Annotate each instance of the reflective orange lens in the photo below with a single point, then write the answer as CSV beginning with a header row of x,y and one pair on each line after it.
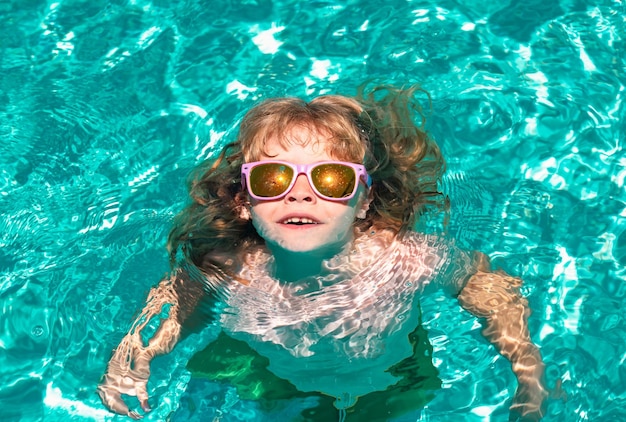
x,y
334,180
269,180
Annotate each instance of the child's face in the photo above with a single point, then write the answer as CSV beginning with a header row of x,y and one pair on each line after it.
x,y
328,224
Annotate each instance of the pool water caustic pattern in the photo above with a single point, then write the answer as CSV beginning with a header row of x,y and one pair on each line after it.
x,y
106,106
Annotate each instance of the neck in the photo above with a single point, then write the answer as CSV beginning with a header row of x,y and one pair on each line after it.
x,y
293,266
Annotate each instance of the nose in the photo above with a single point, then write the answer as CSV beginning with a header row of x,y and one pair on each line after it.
x,y
301,191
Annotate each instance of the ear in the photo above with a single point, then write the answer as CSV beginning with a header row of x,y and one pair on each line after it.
x,y
244,212
365,205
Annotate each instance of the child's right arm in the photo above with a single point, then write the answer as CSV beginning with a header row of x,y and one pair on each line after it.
x,y
172,301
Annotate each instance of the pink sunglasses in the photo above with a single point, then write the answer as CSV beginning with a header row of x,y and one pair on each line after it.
x,y
331,180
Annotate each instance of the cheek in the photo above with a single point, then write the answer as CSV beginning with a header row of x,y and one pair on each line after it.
x,y
263,216
260,212
343,217
260,221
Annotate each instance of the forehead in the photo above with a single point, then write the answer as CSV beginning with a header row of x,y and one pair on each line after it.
x,y
297,138
305,138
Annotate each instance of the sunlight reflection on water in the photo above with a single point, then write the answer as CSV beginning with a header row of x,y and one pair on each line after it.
x,y
105,107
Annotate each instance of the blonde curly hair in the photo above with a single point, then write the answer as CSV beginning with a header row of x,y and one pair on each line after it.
x,y
382,128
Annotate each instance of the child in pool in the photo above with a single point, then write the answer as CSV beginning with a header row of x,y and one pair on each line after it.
x,y
301,231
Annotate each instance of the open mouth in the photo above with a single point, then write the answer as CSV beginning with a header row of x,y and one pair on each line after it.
x,y
299,221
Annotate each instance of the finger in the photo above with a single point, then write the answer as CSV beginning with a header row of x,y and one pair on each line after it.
x,y
524,413
557,392
142,395
134,415
145,406
112,399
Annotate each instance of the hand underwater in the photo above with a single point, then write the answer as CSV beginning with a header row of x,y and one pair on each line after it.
x,y
495,296
129,368
112,388
529,403
128,373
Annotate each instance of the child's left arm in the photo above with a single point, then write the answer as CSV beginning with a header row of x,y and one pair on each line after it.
x,y
495,296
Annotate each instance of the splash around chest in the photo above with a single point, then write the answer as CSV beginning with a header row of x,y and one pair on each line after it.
x,y
362,297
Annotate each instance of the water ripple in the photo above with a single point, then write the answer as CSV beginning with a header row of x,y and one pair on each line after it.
x,y
104,107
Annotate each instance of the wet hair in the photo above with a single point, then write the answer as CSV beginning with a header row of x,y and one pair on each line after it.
x,y
382,128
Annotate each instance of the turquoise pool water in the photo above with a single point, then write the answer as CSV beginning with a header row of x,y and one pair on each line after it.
x,y
106,105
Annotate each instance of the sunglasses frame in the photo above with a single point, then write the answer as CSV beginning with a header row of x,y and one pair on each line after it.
x,y
305,169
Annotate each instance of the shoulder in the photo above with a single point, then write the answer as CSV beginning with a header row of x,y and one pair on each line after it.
x,y
451,264
409,244
426,243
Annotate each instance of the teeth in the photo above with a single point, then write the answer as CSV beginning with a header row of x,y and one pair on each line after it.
x,y
299,220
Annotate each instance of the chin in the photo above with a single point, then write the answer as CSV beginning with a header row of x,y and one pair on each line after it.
x,y
307,244
303,241
299,246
